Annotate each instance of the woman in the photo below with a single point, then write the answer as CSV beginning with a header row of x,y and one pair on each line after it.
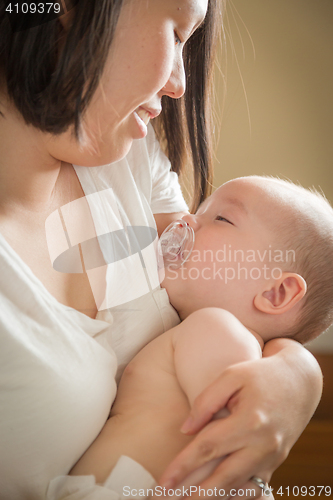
x,y
80,90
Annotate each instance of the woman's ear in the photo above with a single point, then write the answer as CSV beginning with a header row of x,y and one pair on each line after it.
x,y
286,291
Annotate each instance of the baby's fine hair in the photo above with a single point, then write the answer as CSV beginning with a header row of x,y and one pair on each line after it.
x,y
306,226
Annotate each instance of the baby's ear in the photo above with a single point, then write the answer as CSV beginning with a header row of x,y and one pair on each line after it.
x,y
286,291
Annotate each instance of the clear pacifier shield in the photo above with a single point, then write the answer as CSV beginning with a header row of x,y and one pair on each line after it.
x,y
177,242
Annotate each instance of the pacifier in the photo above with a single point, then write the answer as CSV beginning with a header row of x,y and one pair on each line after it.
x,y
177,242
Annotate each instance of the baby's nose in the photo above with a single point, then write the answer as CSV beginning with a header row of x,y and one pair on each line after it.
x,y
192,220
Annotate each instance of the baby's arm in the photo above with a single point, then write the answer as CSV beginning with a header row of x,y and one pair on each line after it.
x,y
205,344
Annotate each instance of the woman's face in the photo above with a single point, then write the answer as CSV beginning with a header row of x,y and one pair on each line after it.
x,y
145,62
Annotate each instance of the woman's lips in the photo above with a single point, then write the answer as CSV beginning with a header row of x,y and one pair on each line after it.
x,y
143,115
142,119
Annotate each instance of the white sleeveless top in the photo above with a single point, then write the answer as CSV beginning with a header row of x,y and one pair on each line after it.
x,y
57,365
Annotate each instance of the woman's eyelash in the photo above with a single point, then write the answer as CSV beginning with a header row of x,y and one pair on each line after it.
x,y
219,217
177,39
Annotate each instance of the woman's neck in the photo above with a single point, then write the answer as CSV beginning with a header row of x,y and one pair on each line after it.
x,y
28,173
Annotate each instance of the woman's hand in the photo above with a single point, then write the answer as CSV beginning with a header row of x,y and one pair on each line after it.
x,y
270,401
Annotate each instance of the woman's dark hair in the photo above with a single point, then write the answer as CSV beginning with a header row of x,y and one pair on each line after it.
x,y
185,124
51,76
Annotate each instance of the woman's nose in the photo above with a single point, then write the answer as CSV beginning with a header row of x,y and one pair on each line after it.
x,y
192,220
176,85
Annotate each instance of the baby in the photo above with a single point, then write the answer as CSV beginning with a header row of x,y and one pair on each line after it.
x,y
261,268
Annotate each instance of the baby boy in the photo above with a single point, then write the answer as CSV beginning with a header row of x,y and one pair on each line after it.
x,y
261,268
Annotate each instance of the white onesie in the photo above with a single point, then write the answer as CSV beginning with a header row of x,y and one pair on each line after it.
x,y
57,365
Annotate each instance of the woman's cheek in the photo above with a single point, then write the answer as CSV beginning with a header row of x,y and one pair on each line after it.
x,y
164,59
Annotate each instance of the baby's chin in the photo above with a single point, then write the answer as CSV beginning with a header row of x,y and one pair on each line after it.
x,y
164,284
167,283
172,286
171,277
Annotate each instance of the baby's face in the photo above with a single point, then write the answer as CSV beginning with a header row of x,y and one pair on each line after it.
x,y
234,253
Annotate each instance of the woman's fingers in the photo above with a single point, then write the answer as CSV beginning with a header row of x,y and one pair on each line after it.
x,y
252,491
233,473
224,482
212,442
250,431
206,405
257,435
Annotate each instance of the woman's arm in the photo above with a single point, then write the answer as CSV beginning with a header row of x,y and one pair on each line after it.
x,y
270,402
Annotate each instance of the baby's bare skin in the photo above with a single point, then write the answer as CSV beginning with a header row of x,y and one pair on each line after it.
x,y
156,390
146,417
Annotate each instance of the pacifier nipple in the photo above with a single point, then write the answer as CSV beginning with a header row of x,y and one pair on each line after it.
x,y
177,242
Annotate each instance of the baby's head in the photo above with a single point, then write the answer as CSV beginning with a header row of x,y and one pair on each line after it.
x,y
263,251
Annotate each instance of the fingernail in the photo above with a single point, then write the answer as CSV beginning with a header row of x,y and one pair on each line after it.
x,y
187,425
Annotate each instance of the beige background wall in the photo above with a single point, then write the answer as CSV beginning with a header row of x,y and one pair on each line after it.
x,y
278,110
